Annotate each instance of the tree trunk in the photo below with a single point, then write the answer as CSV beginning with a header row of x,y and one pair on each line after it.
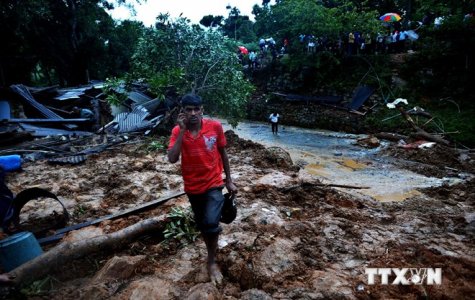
x,y
70,250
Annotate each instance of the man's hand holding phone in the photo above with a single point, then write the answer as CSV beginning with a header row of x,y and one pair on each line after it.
x,y
182,120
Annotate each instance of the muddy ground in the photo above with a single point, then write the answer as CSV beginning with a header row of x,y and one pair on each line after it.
x,y
292,238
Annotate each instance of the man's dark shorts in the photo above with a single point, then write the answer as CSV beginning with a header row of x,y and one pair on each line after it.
x,y
207,209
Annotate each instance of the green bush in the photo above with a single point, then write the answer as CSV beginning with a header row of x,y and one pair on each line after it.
x,y
181,227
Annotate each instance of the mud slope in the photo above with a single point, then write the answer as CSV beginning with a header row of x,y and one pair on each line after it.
x,y
291,240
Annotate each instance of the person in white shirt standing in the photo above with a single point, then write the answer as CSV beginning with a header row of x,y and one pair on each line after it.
x,y
274,120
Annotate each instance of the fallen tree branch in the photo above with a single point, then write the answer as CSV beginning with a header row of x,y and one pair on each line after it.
x,y
428,121
67,251
287,189
420,113
421,133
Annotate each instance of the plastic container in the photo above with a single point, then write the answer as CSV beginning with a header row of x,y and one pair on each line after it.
x,y
17,249
10,162
4,110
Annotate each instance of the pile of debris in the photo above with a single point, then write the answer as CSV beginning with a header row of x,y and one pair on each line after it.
x,y
73,123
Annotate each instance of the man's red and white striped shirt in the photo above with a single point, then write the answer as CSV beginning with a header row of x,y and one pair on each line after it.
x,y
201,164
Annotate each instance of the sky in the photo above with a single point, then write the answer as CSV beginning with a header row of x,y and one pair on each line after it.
x,y
191,9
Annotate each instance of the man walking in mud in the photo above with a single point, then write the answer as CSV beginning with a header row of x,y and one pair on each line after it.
x,y
201,142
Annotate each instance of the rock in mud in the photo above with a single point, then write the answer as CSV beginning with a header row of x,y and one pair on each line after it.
x,y
255,294
122,267
150,288
203,291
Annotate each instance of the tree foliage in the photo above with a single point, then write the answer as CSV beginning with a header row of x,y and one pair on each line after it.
x,y
190,59
72,41
444,66
294,17
211,21
69,41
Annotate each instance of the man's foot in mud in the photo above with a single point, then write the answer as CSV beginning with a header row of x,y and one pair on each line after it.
x,y
215,274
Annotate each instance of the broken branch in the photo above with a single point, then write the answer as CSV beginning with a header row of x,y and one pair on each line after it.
x,y
421,133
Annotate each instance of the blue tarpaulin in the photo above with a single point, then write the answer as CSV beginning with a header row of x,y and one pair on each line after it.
x,y
362,93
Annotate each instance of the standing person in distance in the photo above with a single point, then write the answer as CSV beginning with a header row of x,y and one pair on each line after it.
x,y
201,142
274,120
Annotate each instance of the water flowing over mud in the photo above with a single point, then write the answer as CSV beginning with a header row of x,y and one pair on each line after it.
x,y
336,158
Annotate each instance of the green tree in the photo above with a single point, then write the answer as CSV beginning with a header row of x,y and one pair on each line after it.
x,y
231,23
17,56
119,48
239,27
263,20
447,54
188,58
211,21
65,39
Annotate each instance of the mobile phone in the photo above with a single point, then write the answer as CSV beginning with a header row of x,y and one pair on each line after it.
x,y
182,111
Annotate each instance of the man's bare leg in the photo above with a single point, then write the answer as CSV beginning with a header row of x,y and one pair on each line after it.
x,y
211,241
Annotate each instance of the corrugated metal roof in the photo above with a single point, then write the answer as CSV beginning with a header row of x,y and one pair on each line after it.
x,y
26,95
134,120
68,160
150,106
70,95
139,97
43,131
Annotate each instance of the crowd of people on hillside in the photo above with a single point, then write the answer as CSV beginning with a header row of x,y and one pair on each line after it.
x,y
395,38
267,47
395,41
392,40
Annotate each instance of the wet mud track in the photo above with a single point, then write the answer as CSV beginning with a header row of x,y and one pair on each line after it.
x,y
293,239
391,174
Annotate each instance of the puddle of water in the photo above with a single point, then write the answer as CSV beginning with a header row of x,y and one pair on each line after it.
x,y
353,165
397,196
316,169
